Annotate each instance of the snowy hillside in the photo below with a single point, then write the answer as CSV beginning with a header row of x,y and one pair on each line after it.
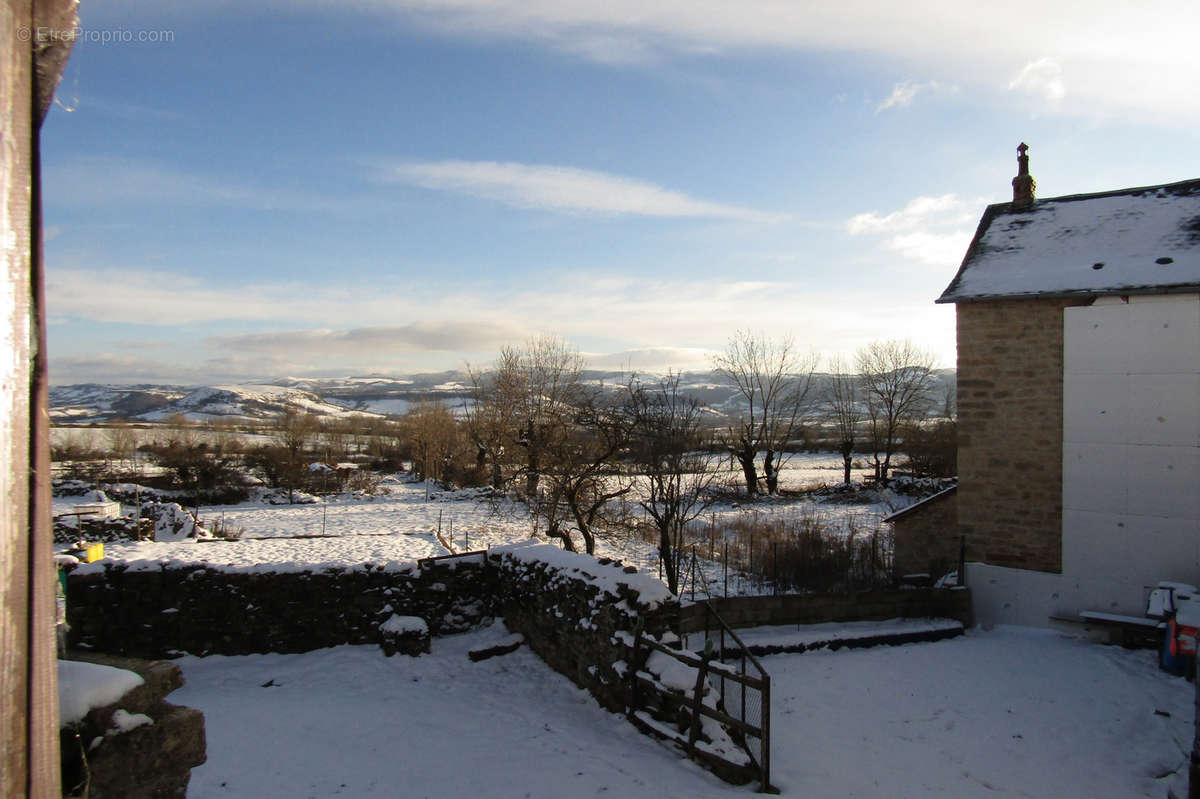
x,y
375,395
95,403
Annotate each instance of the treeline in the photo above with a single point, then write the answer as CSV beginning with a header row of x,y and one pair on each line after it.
x,y
583,455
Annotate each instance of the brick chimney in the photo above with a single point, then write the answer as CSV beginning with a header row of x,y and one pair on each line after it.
x,y
1023,184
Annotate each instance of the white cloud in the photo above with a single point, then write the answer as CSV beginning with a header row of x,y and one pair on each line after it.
x,y
1121,55
335,327
651,359
928,230
559,188
934,249
1043,77
441,336
124,367
104,181
918,211
904,93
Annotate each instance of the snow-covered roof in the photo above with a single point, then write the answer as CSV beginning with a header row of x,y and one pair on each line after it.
x,y
1133,241
945,492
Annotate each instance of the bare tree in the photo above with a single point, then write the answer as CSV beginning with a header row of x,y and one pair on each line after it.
x,y
293,434
896,379
335,438
434,435
578,476
491,417
524,407
385,443
122,441
773,380
844,409
666,448
205,470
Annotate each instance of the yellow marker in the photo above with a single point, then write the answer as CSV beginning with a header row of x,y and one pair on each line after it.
x,y
92,552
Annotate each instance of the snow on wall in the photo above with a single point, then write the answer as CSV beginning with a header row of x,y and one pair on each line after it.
x,y
607,576
85,686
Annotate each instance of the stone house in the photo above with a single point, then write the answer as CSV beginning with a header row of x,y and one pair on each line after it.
x,y
1079,403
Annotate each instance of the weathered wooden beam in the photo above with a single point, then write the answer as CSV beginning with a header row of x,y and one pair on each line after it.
x,y
30,68
16,154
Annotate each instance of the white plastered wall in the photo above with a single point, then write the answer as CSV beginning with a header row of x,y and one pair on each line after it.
x,y
1131,465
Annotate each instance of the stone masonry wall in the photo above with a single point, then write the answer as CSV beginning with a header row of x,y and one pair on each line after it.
x,y
750,611
927,539
200,610
579,614
582,622
1010,423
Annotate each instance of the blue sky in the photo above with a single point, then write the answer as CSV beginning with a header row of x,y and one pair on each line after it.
x,y
391,186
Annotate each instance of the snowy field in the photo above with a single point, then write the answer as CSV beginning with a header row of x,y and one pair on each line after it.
x,y
1006,712
401,525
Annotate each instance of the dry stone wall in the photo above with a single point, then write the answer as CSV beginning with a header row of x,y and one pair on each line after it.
x,y
580,614
751,611
203,610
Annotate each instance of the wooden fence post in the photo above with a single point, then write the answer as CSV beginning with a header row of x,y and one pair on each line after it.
x,y
30,67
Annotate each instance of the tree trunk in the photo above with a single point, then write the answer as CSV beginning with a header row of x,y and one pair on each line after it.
x,y
746,458
771,472
562,535
585,529
531,478
668,559
847,456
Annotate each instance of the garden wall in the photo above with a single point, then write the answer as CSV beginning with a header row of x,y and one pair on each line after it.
x,y
202,610
580,614
750,611
576,612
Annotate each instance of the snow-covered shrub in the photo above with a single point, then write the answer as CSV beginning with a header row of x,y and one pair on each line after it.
x,y
173,522
68,487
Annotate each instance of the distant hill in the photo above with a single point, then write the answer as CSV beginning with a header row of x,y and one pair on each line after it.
x,y
371,395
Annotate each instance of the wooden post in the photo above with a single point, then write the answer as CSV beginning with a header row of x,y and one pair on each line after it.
x,y
697,695
634,665
765,721
962,560
693,572
1194,765
29,72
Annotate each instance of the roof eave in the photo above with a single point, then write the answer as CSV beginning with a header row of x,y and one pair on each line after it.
x,y
989,213
1118,291
922,504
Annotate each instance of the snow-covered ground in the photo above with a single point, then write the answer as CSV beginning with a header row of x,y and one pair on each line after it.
x,y
1010,711
347,531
